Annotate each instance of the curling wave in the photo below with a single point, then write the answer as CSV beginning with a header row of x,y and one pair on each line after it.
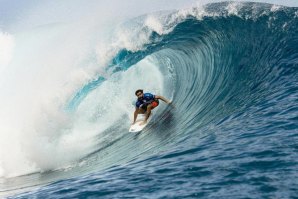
x,y
227,67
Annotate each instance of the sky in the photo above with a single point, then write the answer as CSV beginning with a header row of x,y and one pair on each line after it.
x,y
18,11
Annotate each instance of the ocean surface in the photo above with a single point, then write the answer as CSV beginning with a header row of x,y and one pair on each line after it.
x,y
231,71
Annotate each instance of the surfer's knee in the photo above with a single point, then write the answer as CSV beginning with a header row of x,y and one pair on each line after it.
x,y
141,111
149,107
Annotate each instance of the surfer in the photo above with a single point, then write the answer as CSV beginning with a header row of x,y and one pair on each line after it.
x,y
145,103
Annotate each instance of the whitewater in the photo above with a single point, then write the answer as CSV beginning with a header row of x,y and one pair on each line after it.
x,y
68,76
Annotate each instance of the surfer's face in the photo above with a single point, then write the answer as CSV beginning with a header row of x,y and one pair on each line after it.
x,y
140,95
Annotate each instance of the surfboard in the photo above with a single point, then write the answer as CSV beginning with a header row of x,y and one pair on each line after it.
x,y
137,127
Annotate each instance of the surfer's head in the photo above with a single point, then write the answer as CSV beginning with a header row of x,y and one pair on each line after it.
x,y
139,93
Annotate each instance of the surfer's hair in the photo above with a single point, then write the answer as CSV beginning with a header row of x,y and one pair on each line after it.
x,y
139,90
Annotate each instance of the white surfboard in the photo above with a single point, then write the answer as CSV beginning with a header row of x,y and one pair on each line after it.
x,y
138,126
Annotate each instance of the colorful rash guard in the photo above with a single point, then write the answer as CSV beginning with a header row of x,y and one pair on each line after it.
x,y
147,99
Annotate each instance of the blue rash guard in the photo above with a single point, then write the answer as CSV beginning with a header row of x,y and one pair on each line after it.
x,y
147,99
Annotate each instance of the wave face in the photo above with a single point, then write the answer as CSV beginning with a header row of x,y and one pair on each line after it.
x,y
231,71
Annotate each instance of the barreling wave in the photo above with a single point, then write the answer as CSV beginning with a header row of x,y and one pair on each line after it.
x,y
219,63
226,67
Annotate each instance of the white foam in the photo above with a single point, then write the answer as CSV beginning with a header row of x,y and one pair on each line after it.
x,y
275,8
7,44
296,14
47,69
36,133
233,8
154,24
131,38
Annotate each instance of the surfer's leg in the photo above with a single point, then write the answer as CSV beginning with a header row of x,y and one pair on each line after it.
x,y
141,111
148,112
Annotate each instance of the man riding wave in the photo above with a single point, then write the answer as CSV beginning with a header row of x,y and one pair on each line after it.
x,y
145,103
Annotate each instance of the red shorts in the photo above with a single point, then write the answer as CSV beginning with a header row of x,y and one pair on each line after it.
x,y
154,104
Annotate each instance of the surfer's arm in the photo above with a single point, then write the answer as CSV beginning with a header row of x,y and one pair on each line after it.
x,y
163,99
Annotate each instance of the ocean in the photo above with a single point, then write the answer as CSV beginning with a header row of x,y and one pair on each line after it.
x,y
230,69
